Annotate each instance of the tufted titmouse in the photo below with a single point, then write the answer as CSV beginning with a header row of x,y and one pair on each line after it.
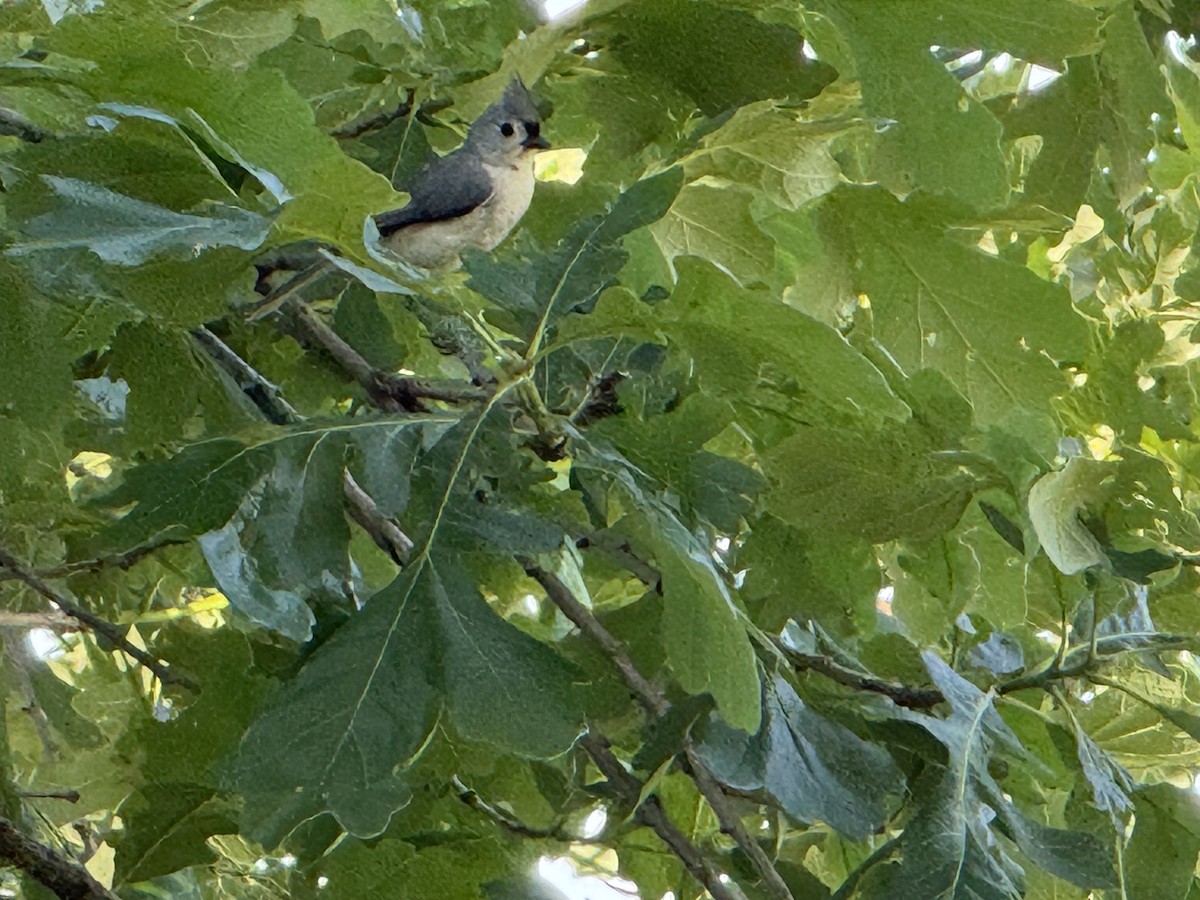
x,y
474,196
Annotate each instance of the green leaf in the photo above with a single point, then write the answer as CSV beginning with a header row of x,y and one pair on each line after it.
x,y
873,485
1066,117
948,848
716,223
719,56
816,769
166,829
840,577
741,341
36,382
1111,393
1128,62
234,36
137,61
708,649
935,138
993,328
338,736
581,265
1161,858
942,139
765,148
202,729
1056,502
126,231
502,686
170,383
236,573
1110,783
455,870
201,487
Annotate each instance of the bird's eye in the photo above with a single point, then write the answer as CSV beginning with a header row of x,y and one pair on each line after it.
x,y
506,129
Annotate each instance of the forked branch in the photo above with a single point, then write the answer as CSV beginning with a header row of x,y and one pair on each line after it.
x,y
110,632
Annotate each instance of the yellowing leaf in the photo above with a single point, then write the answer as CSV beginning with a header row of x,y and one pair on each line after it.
x,y
564,165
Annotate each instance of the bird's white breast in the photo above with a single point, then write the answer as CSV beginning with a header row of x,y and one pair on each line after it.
x,y
512,191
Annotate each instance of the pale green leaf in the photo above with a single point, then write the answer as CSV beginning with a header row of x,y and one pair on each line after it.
x,y
1056,502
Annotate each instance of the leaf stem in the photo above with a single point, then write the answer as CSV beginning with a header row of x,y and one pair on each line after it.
x,y
509,822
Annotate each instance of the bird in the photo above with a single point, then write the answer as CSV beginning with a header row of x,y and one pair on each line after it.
x,y
474,196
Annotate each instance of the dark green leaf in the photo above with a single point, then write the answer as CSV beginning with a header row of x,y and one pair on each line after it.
x,y
338,735
502,686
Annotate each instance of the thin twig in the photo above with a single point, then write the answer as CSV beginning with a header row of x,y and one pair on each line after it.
x,y
124,560
69,796
385,532
262,393
1065,665
900,694
655,704
66,878
623,556
511,823
600,401
731,822
360,126
651,814
276,298
112,633
562,597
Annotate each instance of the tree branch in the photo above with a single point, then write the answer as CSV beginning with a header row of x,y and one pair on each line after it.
x,y
69,796
66,878
561,596
262,393
112,633
54,621
389,392
360,126
623,556
20,127
651,814
900,694
655,704
385,532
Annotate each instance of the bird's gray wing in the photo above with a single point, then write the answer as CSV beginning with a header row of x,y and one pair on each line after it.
x,y
446,189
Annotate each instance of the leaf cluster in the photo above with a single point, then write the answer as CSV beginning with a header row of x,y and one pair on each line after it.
x,y
811,487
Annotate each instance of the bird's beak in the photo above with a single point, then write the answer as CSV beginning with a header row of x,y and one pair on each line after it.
x,y
535,142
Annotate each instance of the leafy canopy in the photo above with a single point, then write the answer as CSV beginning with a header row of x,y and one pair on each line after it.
x,y
809,483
